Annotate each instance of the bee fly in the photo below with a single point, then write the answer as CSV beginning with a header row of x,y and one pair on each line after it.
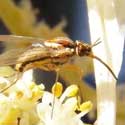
x,y
47,55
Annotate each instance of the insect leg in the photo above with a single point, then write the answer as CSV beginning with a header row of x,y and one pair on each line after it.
x,y
18,120
53,103
17,76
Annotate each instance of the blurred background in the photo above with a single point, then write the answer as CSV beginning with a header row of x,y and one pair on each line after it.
x,y
53,18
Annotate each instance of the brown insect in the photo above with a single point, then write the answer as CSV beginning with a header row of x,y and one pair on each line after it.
x,y
44,54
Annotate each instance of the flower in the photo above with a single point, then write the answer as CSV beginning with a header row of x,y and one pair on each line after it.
x,y
20,104
61,111
8,111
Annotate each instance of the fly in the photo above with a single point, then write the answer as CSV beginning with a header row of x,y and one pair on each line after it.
x,y
47,55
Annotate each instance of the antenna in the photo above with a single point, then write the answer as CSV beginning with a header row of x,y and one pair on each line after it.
x,y
98,41
97,58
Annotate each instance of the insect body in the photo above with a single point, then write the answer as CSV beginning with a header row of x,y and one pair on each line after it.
x,y
49,56
44,54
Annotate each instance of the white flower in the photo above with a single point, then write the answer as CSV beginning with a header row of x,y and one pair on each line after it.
x,y
9,112
20,104
54,111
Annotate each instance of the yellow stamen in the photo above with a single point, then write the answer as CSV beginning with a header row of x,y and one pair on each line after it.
x,y
57,89
86,106
72,90
19,94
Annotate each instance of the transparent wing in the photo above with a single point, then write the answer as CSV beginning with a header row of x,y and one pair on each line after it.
x,y
13,41
17,39
19,49
21,55
15,46
10,57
